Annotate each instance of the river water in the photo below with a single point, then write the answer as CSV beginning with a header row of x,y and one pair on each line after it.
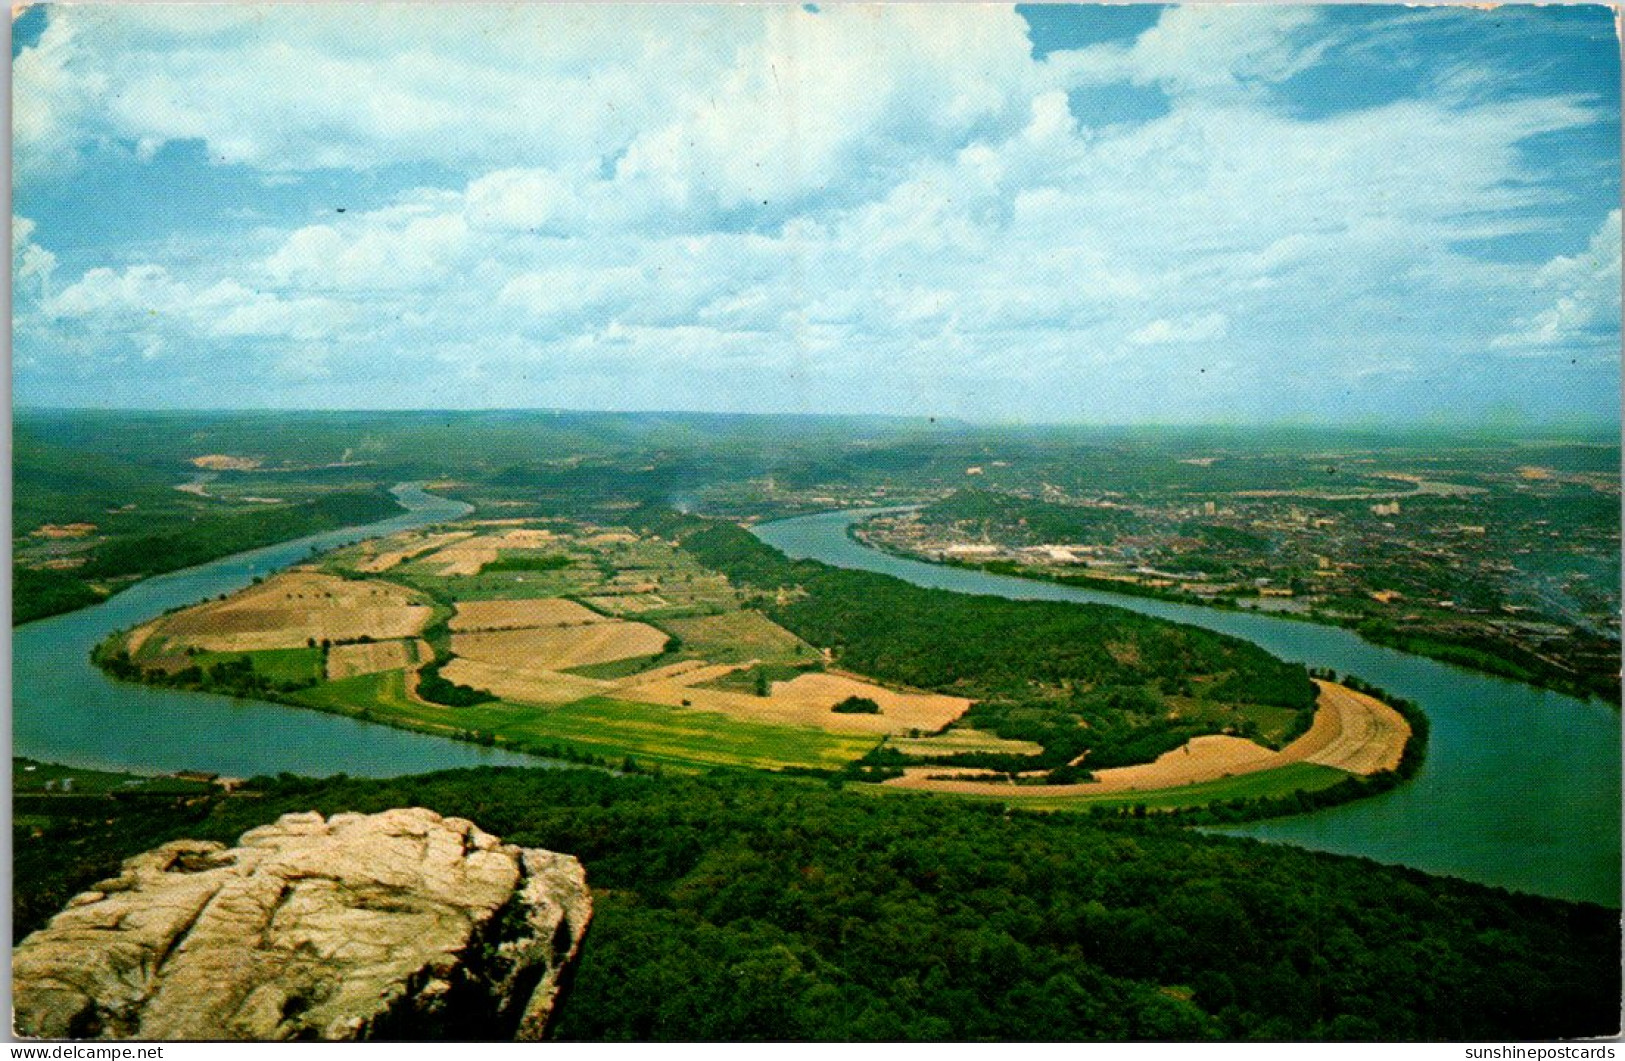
x,y
1521,787
65,710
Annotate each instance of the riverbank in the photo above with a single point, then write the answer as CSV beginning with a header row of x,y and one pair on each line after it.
x,y
67,711
121,561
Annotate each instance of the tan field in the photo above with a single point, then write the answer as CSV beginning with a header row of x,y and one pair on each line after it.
x,y
346,661
1359,733
461,559
290,609
689,672
561,647
517,614
1351,731
793,703
528,539
937,778
1201,759
906,710
467,557
63,530
524,685
221,462
403,548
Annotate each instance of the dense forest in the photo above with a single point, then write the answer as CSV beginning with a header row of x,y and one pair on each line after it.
x,y
736,906
1037,669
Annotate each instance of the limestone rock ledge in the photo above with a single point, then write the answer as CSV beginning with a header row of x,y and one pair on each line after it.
x,y
396,925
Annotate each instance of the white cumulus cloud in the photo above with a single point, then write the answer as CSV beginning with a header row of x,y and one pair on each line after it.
x,y
1582,294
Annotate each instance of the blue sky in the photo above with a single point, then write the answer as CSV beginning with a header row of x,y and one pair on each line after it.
x,y
1167,214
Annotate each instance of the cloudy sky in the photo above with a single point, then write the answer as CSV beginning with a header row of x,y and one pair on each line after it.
x,y
1063,213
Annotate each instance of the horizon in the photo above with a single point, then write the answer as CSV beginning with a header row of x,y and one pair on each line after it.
x,y
1582,432
1277,217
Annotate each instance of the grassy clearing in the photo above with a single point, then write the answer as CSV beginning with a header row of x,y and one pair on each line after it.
x,y
277,664
1281,781
382,691
1270,724
736,637
1274,724
963,740
498,585
623,668
597,725
615,728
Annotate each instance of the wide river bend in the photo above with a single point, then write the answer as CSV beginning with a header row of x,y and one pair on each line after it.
x,y
63,709
1521,786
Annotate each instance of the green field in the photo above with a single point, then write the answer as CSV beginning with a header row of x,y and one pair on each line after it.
x,y
497,586
276,664
622,668
598,726
740,636
1274,725
673,735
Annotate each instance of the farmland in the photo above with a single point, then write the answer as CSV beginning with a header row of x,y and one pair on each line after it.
x,y
373,630
660,642
594,726
1352,734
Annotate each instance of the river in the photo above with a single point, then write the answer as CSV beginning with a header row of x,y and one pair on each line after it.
x,y
65,710
1521,787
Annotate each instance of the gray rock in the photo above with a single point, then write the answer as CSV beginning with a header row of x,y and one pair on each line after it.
x,y
395,925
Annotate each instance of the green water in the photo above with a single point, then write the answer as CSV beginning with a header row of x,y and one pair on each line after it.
x,y
1521,787
65,710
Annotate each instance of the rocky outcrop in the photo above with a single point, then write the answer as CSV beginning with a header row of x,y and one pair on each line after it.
x,y
395,925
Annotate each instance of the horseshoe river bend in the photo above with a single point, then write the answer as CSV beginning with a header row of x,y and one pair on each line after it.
x,y
1521,787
